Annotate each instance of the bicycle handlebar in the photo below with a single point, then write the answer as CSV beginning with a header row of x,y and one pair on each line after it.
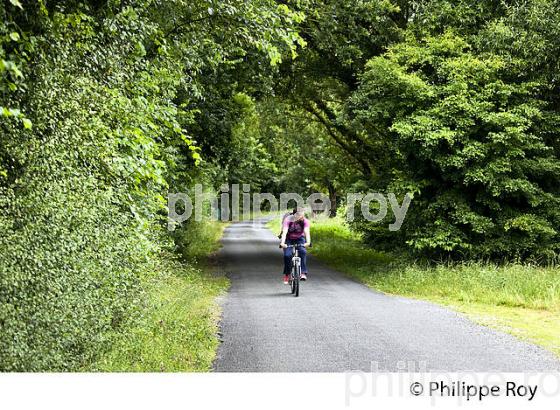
x,y
295,245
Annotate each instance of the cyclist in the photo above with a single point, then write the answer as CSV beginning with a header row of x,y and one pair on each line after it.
x,y
295,230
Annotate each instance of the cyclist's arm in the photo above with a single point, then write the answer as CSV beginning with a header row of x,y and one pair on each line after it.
x,y
283,238
307,232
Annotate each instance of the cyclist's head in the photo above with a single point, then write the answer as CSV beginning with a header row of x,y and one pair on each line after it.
x,y
299,213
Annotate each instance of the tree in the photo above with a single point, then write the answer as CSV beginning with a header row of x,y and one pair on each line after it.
x,y
340,37
465,138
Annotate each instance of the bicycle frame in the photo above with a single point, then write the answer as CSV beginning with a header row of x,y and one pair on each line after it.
x,y
296,261
295,272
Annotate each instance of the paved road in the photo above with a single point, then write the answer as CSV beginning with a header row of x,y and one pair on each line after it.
x,y
338,324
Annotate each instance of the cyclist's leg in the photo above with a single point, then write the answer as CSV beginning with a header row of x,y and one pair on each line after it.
x,y
303,256
287,259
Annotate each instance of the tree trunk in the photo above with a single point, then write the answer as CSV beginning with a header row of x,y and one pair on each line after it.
x,y
333,198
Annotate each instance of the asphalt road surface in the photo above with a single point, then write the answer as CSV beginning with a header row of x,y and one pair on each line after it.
x,y
337,324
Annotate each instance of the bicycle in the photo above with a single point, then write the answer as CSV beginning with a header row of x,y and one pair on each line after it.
x,y
295,272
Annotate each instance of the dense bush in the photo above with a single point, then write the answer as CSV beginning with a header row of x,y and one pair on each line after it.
x,y
80,190
465,134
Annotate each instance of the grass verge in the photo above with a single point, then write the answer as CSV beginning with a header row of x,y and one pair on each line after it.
x,y
176,329
522,300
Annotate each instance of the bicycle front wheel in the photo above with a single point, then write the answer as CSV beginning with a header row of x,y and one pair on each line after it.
x,y
293,283
297,275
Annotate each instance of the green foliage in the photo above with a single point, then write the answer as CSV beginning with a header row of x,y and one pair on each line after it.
x,y
249,161
452,100
476,161
13,52
81,192
195,241
98,102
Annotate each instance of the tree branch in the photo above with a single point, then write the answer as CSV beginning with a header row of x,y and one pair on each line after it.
x,y
349,149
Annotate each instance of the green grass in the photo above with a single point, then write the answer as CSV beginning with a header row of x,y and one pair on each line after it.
x,y
200,240
176,330
523,300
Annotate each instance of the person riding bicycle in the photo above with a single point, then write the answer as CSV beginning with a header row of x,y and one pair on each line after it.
x,y
295,230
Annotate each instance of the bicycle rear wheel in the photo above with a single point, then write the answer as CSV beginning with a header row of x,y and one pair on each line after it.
x,y
292,283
